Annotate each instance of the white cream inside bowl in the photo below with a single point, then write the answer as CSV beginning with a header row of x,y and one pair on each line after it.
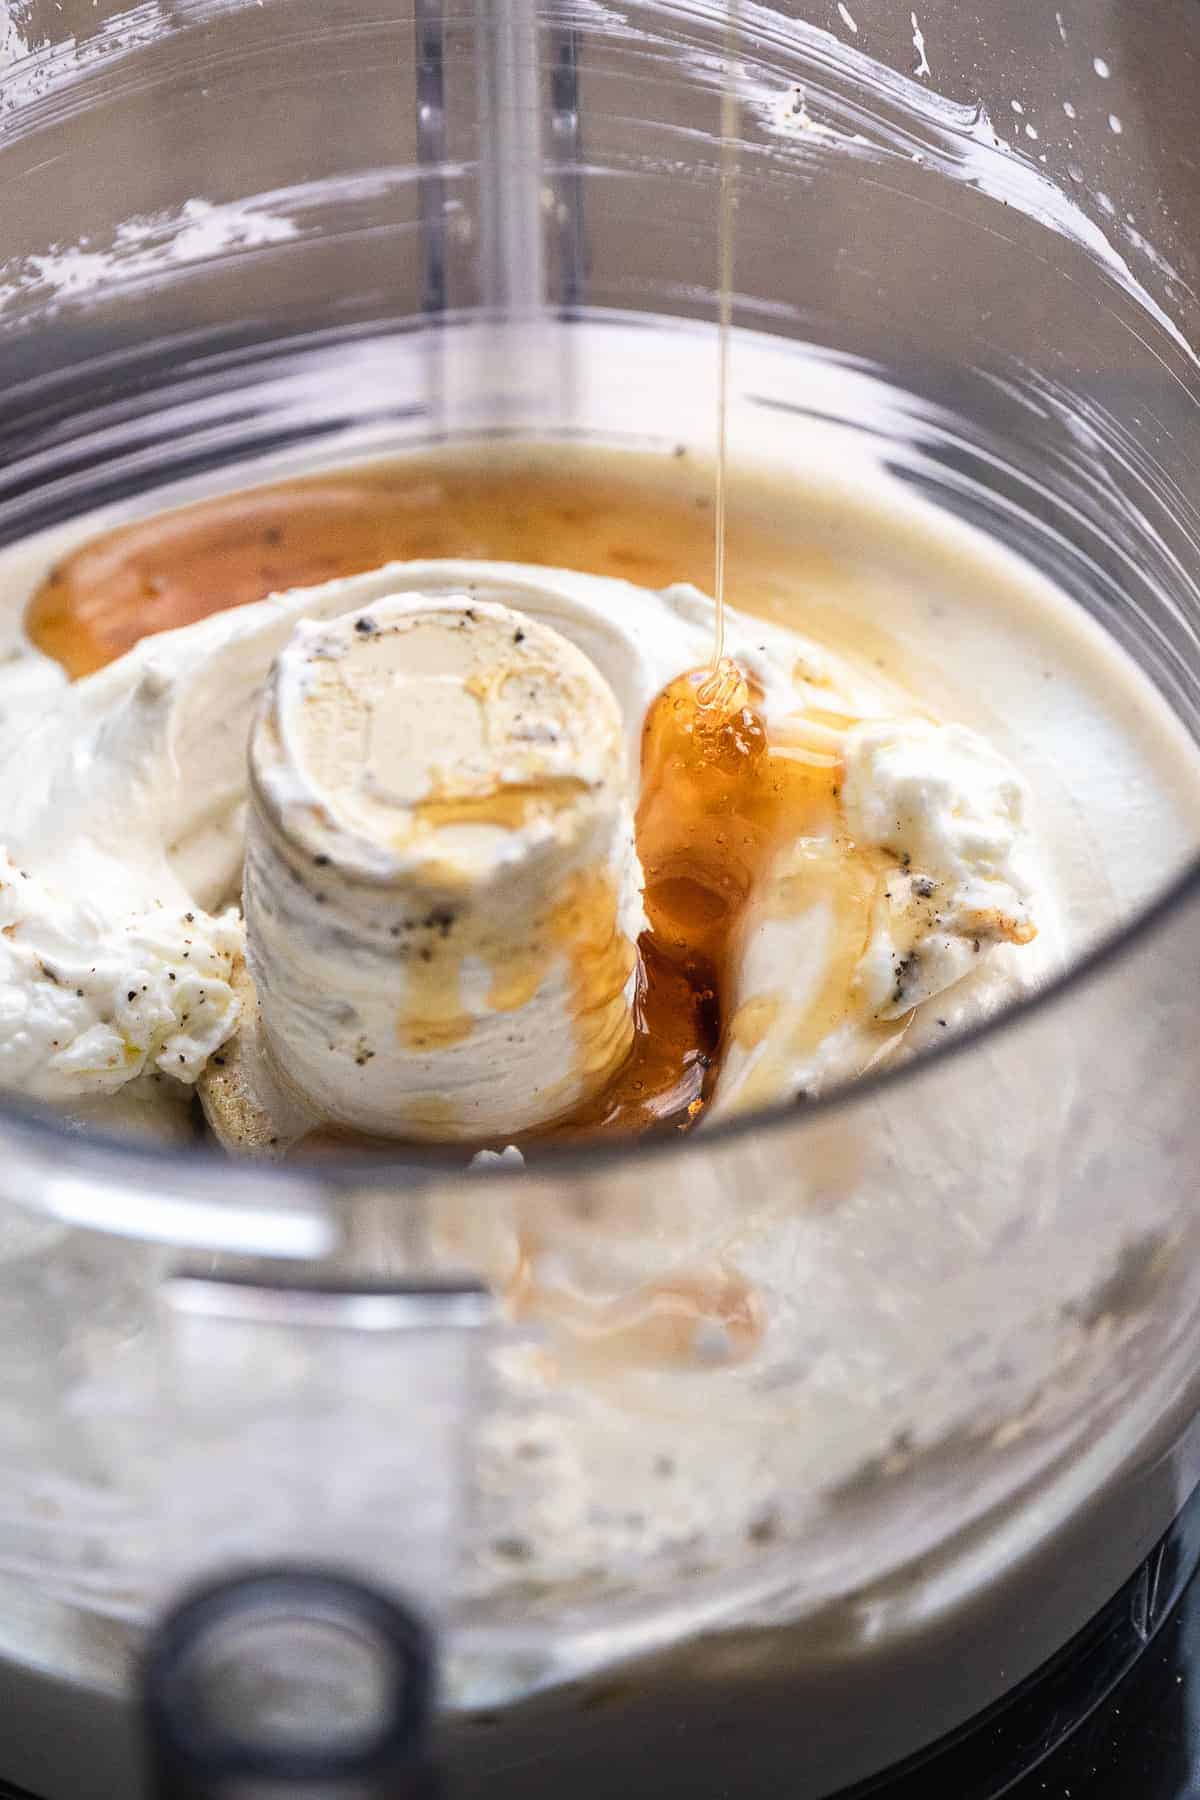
x,y
988,767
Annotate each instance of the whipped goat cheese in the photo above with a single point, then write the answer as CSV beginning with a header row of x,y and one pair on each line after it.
x,y
954,814
411,724
90,1001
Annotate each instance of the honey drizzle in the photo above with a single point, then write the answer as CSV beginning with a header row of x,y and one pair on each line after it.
x,y
718,692
725,218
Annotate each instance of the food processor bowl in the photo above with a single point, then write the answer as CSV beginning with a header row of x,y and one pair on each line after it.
x,y
245,240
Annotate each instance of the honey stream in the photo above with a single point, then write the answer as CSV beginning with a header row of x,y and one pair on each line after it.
x,y
719,692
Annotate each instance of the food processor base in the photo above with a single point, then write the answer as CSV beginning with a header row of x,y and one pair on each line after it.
x,y
1115,1713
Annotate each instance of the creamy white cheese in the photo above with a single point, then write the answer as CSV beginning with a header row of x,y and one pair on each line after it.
x,y
953,909
126,800
89,1001
954,813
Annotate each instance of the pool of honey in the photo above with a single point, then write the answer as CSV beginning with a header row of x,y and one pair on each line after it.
x,y
715,802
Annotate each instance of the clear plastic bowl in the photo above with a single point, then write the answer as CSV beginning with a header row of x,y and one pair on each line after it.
x,y
961,237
